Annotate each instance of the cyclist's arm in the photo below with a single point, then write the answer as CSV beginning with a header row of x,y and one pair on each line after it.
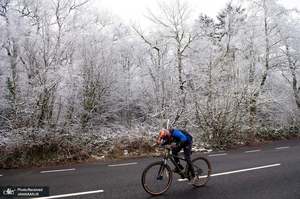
x,y
162,142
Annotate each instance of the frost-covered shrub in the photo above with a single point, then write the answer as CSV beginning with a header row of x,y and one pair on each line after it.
x,y
26,147
268,133
36,147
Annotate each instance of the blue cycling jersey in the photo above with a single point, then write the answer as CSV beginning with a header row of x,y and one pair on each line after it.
x,y
180,136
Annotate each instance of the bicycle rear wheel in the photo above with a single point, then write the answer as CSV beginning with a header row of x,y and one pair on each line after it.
x,y
157,178
202,168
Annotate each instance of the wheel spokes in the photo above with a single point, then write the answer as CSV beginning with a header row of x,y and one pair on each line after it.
x,y
202,171
156,179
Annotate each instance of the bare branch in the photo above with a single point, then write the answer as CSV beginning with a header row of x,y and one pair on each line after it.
x,y
77,5
286,78
144,39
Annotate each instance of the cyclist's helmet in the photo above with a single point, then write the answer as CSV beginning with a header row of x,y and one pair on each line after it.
x,y
164,135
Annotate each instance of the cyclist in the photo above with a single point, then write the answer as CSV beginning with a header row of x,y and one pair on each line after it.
x,y
183,140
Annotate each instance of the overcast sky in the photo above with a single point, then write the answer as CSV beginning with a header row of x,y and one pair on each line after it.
x,y
133,11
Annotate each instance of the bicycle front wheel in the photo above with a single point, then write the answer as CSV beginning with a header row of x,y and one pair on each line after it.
x,y
202,168
157,178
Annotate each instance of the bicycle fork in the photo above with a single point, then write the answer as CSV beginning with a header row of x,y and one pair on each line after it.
x,y
161,170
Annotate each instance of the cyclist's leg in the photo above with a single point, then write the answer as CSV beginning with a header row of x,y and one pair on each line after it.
x,y
175,152
187,155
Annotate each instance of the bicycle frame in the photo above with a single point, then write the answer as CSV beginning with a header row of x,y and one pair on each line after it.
x,y
169,156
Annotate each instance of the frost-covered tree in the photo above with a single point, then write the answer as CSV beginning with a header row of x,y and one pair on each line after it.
x,y
172,22
289,31
217,88
262,50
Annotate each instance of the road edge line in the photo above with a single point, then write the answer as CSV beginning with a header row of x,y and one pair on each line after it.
x,y
218,154
71,194
283,147
58,170
253,151
244,170
238,171
124,164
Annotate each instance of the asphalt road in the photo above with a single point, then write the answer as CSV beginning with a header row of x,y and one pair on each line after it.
x,y
270,171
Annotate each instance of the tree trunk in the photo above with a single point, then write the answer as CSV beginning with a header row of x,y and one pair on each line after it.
x,y
12,53
292,66
256,94
253,99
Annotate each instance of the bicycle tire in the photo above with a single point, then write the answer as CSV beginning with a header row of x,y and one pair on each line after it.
x,y
170,175
203,179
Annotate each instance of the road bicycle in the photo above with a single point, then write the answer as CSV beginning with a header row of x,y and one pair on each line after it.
x,y
158,176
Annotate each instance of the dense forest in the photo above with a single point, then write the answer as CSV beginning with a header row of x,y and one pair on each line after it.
x,y
77,83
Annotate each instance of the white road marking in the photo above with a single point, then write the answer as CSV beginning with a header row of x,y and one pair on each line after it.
x,y
60,170
219,154
125,164
283,147
237,171
1,175
249,169
253,151
71,194
182,180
